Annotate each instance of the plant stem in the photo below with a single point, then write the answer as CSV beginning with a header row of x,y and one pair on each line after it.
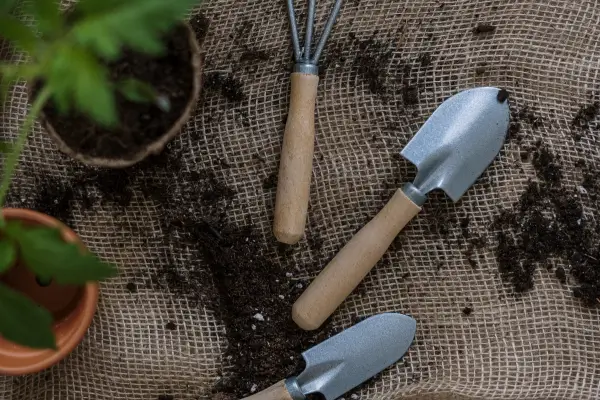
x,y
13,158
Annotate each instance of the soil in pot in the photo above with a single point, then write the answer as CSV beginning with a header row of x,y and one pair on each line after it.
x,y
141,125
60,300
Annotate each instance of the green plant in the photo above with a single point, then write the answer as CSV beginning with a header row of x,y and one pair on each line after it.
x,y
67,58
8,6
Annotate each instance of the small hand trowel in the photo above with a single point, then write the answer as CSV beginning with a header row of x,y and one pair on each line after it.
x,y
347,359
451,150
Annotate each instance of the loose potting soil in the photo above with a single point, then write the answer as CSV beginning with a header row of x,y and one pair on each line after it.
x,y
549,222
503,284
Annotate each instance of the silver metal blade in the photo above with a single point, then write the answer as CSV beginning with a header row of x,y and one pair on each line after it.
x,y
459,141
351,357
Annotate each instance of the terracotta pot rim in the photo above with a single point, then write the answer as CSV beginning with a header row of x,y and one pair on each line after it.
x,y
88,301
157,146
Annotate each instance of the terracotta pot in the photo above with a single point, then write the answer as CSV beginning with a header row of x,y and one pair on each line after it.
x,y
159,144
72,307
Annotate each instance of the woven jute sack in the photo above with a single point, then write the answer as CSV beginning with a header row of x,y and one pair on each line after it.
x,y
387,66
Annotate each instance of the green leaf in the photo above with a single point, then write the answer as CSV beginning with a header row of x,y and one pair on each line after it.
x,y
5,84
137,24
91,7
7,6
48,16
6,147
8,254
137,91
24,322
21,71
141,92
18,33
77,78
93,93
46,254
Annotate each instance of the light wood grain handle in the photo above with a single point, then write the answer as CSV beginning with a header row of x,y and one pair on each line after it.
x,y
348,268
275,392
295,168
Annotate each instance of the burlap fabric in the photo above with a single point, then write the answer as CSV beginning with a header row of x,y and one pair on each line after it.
x,y
541,345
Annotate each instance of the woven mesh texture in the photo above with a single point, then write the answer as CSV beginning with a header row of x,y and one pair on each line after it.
x,y
541,345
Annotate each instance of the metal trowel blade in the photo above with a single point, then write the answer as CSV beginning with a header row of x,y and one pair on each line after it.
x,y
351,357
459,141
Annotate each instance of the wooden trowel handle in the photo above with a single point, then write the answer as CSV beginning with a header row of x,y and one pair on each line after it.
x,y
295,168
275,392
348,268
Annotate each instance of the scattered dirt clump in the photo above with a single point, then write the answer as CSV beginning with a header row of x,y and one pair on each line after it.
x,y
171,326
131,287
54,198
514,130
518,118
584,117
200,25
425,59
548,223
529,116
547,166
561,274
230,87
470,255
410,95
372,61
464,226
270,182
252,56
484,28
480,70
89,187
256,296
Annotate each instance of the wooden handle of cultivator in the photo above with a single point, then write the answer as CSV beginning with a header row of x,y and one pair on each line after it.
x,y
348,268
295,168
275,392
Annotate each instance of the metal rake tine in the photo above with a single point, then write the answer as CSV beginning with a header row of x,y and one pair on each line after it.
x,y
310,22
327,31
294,29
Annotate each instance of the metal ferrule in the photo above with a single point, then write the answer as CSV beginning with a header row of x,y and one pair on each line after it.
x,y
291,384
414,194
305,68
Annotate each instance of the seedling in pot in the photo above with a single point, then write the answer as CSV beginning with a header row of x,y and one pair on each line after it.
x,y
67,61
45,253
75,72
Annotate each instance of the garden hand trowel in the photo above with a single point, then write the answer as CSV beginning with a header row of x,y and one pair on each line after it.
x,y
451,150
347,359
